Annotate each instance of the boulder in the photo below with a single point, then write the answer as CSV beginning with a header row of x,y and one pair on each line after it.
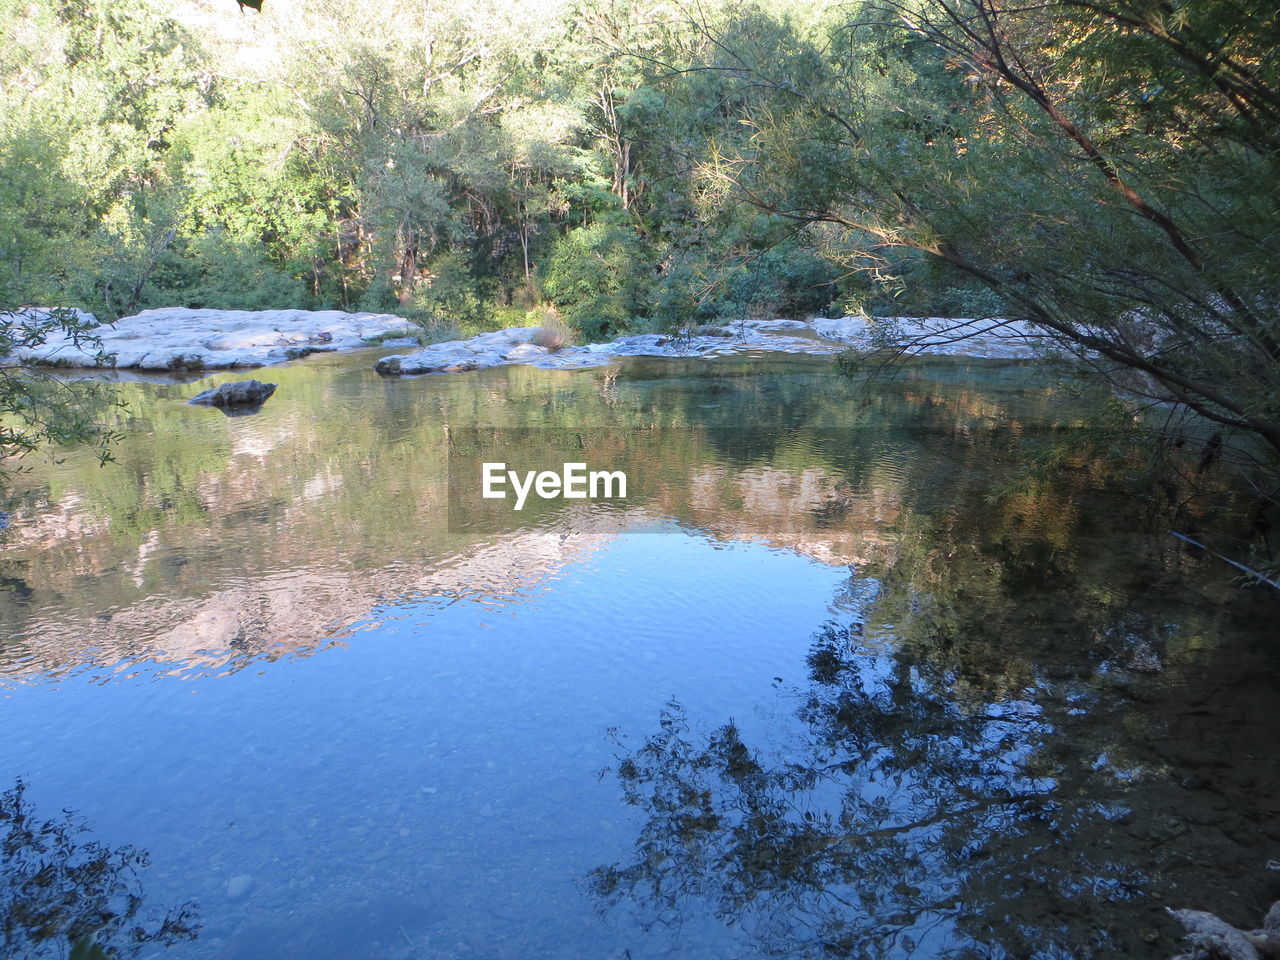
x,y
525,351
238,393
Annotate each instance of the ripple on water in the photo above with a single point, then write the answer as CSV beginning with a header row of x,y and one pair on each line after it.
x,y
258,647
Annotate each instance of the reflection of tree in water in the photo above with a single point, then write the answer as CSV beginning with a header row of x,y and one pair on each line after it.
x,y
61,894
981,775
901,818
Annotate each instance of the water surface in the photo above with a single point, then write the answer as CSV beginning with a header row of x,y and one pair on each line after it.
x,y
845,678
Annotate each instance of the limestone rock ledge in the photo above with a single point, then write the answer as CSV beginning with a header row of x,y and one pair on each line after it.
x,y
973,338
179,338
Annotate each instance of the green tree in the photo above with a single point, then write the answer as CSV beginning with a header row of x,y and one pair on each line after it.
x,y
90,94
599,277
37,409
1106,170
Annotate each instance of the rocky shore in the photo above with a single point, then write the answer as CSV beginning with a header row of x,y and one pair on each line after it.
x,y
974,338
176,339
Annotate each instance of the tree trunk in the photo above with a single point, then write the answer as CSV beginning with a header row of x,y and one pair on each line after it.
x,y
408,269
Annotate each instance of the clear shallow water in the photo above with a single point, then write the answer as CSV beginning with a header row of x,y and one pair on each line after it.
x,y
847,704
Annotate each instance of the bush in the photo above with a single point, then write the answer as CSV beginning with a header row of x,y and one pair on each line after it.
x,y
450,298
215,272
700,288
553,333
917,287
601,278
445,307
786,280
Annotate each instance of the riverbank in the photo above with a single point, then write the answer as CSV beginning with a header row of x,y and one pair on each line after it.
x,y
972,338
180,338
183,339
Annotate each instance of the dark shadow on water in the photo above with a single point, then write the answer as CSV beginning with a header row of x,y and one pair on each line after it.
x,y
65,894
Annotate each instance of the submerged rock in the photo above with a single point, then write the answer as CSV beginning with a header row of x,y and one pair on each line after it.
x,y
178,338
1143,658
238,887
1131,645
238,393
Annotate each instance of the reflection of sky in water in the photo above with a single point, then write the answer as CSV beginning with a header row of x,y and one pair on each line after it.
x,y
426,782
438,773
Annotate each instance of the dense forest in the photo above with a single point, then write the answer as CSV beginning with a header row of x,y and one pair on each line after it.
x,y
444,161
1105,170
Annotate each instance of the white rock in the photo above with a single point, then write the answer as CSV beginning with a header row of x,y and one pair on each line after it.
x,y
525,351
451,359
823,335
177,338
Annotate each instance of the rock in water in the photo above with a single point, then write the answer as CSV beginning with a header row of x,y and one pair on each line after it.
x,y
238,393
238,887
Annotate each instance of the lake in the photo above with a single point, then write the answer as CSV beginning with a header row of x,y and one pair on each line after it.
x,y
849,672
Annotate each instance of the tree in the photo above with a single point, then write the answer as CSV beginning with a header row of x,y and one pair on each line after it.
x,y
1105,169
90,96
37,409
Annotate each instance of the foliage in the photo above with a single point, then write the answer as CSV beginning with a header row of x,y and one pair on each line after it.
x,y
91,95
37,409
62,895
784,280
1105,171
216,271
458,138
450,295
599,278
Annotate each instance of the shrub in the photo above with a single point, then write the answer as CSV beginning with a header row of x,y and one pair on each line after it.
x,y
450,297
787,280
601,278
218,273
553,333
